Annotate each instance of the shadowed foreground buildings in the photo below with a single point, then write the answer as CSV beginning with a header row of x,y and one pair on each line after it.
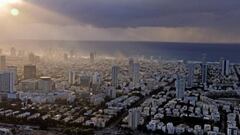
x,y
133,118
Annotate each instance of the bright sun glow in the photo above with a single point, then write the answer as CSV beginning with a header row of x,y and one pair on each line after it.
x,y
14,12
10,6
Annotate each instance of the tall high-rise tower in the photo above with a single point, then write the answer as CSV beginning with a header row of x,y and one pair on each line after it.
x,y
115,71
72,77
204,69
13,52
180,86
190,76
6,81
136,73
225,67
92,57
133,118
130,67
13,69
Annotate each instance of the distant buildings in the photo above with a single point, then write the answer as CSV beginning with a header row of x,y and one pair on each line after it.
x,y
225,67
21,53
42,84
84,80
33,59
2,62
133,118
96,79
65,57
115,72
30,71
29,85
13,52
180,87
72,53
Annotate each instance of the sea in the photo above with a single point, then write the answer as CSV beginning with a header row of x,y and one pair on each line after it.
x,y
165,50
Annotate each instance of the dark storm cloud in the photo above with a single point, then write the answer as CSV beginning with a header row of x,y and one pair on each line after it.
x,y
136,13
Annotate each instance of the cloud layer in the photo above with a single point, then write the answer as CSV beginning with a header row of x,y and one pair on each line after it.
x,y
135,13
140,20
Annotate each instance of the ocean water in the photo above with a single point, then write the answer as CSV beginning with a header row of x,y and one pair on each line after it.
x,y
187,51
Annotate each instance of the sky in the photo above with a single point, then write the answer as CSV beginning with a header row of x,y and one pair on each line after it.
x,y
124,20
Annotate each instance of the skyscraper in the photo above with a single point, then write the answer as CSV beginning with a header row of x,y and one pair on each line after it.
x,y
133,118
92,57
115,71
136,73
6,81
13,52
13,69
72,77
180,86
2,62
130,67
31,58
96,79
65,57
190,77
204,70
72,53
30,71
225,67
